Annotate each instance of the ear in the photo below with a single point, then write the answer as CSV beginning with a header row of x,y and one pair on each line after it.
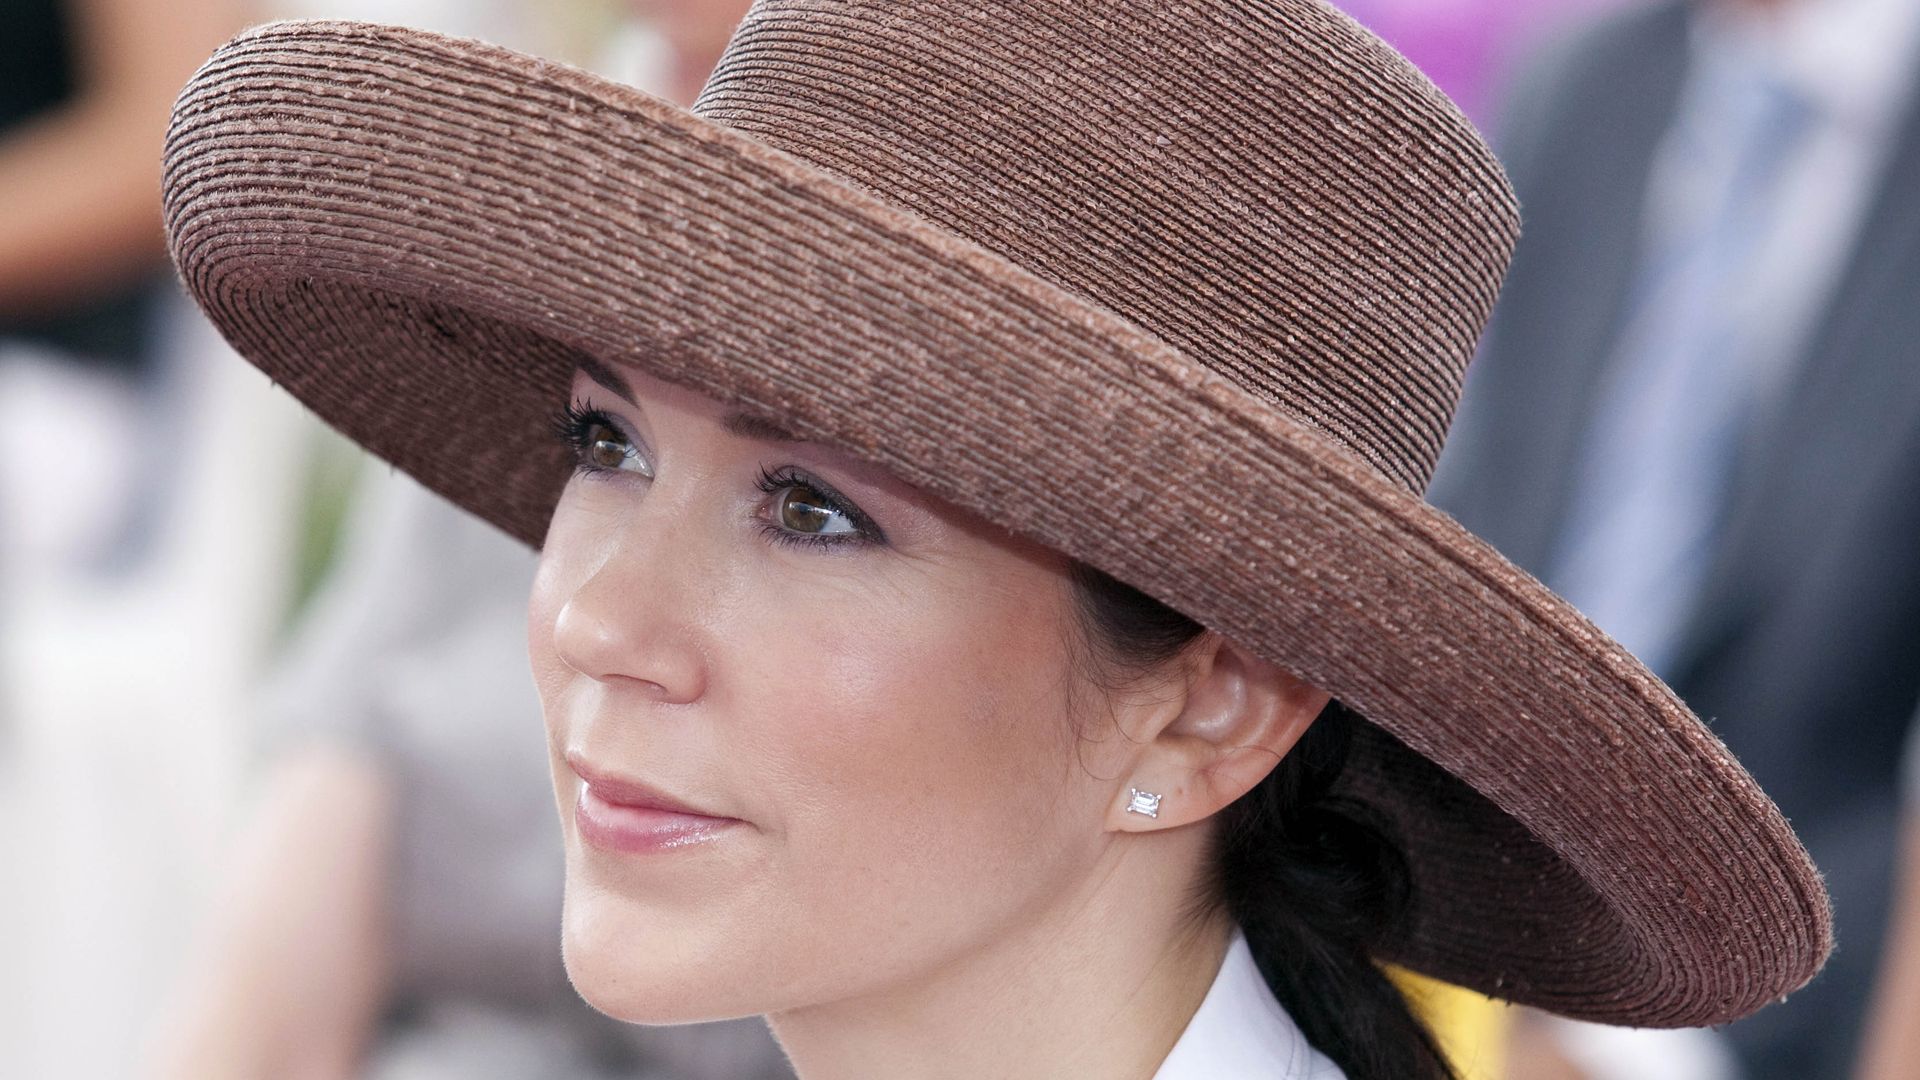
x,y
1201,749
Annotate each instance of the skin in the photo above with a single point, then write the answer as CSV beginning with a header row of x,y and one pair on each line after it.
x,y
935,841
81,182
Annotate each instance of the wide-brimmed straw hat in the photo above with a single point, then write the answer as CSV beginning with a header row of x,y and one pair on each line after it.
x,y
1185,290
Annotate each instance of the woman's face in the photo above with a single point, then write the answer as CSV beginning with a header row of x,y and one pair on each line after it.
x,y
872,683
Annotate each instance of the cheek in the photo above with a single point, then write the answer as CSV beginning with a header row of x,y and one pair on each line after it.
x,y
924,779
551,586
577,538
942,711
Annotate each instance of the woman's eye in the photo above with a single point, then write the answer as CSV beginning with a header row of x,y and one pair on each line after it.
x,y
598,445
605,448
804,513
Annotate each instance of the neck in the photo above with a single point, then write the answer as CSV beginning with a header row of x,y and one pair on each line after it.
x,y
1101,984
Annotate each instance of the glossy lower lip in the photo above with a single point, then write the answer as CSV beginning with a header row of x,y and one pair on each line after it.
x,y
640,829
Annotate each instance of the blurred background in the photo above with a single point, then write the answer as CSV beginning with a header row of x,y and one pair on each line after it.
x,y
235,791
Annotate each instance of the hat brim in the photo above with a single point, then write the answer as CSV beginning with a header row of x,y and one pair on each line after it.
x,y
418,235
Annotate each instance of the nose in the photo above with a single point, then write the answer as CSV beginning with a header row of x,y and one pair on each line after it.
x,y
633,619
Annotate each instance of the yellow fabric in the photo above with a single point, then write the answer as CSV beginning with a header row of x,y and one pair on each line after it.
x,y
1471,1028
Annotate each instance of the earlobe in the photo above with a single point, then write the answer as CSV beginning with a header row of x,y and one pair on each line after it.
x,y
1239,716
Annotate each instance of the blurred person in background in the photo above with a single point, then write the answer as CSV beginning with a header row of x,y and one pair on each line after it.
x,y
84,94
85,86
1697,415
115,655
1466,46
393,910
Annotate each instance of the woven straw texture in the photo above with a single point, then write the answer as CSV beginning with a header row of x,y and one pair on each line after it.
x,y
1184,290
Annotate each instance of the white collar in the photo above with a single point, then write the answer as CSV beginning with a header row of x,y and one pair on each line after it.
x,y
1241,1030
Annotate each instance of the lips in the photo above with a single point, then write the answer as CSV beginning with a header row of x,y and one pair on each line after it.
x,y
621,814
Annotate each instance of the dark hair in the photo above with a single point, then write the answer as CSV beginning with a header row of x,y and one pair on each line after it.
x,y
1315,879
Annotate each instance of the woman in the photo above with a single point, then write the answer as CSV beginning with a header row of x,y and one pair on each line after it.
x,y
987,622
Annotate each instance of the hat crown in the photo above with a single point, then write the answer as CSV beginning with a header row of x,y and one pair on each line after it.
x,y
1266,186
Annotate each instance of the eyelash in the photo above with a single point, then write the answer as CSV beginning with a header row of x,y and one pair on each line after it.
x,y
572,422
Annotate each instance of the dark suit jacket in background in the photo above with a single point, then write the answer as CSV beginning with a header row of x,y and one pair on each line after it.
x,y
1805,654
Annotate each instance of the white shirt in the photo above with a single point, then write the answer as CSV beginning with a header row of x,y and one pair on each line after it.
x,y
1240,1030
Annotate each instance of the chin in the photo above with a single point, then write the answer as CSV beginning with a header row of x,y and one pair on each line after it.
x,y
638,968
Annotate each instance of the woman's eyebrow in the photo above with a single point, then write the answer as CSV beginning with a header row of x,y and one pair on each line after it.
x,y
749,426
608,378
743,424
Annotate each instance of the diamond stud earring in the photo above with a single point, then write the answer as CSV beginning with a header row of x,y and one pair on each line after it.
x,y
1143,802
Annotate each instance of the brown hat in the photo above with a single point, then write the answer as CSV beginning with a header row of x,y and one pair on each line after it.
x,y
1183,290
